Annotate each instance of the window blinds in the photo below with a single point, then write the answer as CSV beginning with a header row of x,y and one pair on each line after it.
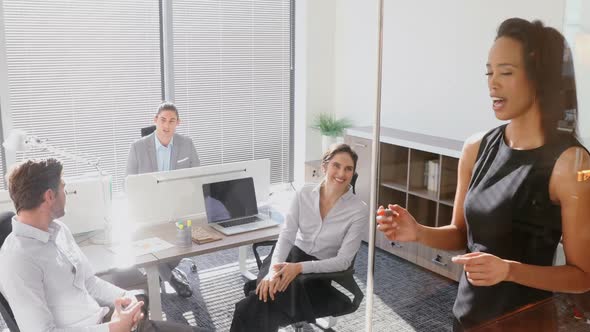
x,y
84,74
232,80
87,76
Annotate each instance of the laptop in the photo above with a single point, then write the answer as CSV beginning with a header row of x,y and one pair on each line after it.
x,y
231,207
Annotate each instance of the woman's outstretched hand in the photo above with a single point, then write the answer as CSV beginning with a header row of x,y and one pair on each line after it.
x,y
397,224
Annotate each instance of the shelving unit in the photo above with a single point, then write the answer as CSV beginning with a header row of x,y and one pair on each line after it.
x,y
402,181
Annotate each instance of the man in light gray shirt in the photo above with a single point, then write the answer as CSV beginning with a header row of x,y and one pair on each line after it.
x,y
46,279
165,150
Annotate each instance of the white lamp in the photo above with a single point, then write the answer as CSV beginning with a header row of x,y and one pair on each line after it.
x,y
20,141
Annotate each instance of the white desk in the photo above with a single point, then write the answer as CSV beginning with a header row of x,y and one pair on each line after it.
x,y
104,261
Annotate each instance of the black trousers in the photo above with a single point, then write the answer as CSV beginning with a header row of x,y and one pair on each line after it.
x,y
146,325
457,327
291,306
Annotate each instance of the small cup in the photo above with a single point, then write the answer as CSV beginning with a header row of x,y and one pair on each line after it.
x,y
183,236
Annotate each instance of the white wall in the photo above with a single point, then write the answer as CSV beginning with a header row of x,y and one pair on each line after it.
x,y
355,62
433,61
320,69
577,30
314,75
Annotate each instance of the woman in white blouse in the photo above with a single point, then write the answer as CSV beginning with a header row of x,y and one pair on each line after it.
x,y
322,233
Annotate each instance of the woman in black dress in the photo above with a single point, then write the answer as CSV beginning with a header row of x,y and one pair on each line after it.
x,y
517,190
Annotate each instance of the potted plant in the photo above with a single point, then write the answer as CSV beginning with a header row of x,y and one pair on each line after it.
x,y
330,128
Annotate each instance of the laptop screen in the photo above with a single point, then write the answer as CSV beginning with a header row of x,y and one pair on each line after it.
x,y
230,199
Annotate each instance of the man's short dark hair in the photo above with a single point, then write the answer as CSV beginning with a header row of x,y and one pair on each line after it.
x,y
28,182
167,106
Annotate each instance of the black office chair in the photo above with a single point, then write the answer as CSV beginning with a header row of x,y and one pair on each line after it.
x,y
331,302
147,130
5,311
337,303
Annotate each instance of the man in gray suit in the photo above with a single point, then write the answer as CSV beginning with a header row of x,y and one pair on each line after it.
x,y
165,150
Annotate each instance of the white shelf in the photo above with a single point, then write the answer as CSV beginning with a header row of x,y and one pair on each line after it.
x,y
433,144
394,185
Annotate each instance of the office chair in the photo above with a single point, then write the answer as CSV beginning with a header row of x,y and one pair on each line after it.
x,y
144,132
147,130
336,303
5,311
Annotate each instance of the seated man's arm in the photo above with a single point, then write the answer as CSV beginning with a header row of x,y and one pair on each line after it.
x,y
104,292
348,249
194,157
22,285
132,163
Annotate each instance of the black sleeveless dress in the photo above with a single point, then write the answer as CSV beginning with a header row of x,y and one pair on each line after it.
x,y
509,214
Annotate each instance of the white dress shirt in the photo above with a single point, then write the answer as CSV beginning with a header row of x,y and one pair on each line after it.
x,y
334,241
50,284
163,154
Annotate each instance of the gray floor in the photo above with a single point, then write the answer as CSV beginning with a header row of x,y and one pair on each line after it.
x,y
407,297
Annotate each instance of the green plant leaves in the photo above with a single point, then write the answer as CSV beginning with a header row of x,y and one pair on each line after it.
x,y
328,125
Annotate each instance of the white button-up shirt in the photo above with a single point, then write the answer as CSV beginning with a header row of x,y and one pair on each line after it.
x,y
163,154
334,241
50,284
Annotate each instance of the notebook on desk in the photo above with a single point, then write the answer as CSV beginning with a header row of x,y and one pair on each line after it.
x,y
231,207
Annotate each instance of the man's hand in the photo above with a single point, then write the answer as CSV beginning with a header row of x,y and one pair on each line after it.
x,y
130,300
123,317
483,269
287,272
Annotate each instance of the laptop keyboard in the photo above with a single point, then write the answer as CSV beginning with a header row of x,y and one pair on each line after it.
x,y
239,222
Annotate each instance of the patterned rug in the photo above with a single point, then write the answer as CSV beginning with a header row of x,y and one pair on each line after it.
x,y
407,297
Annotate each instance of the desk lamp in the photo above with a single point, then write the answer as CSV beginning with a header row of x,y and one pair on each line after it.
x,y
20,141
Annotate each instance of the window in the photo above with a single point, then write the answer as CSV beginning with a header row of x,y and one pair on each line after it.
x,y
83,74
87,75
232,80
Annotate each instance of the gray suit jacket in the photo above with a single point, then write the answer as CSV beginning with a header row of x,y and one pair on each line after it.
x,y
142,155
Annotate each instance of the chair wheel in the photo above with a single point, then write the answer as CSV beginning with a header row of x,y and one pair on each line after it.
x,y
193,267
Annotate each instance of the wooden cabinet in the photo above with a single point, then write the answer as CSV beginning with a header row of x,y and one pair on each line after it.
x,y
403,179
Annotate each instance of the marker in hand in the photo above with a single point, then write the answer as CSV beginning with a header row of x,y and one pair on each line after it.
x,y
384,215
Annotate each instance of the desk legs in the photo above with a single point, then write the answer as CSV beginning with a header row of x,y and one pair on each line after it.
x,y
242,254
153,279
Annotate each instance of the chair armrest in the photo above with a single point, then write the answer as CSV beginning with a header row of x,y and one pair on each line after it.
x,y
328,275
343,278
255,247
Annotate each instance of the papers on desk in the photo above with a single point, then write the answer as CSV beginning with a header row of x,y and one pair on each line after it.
x,y
141,247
